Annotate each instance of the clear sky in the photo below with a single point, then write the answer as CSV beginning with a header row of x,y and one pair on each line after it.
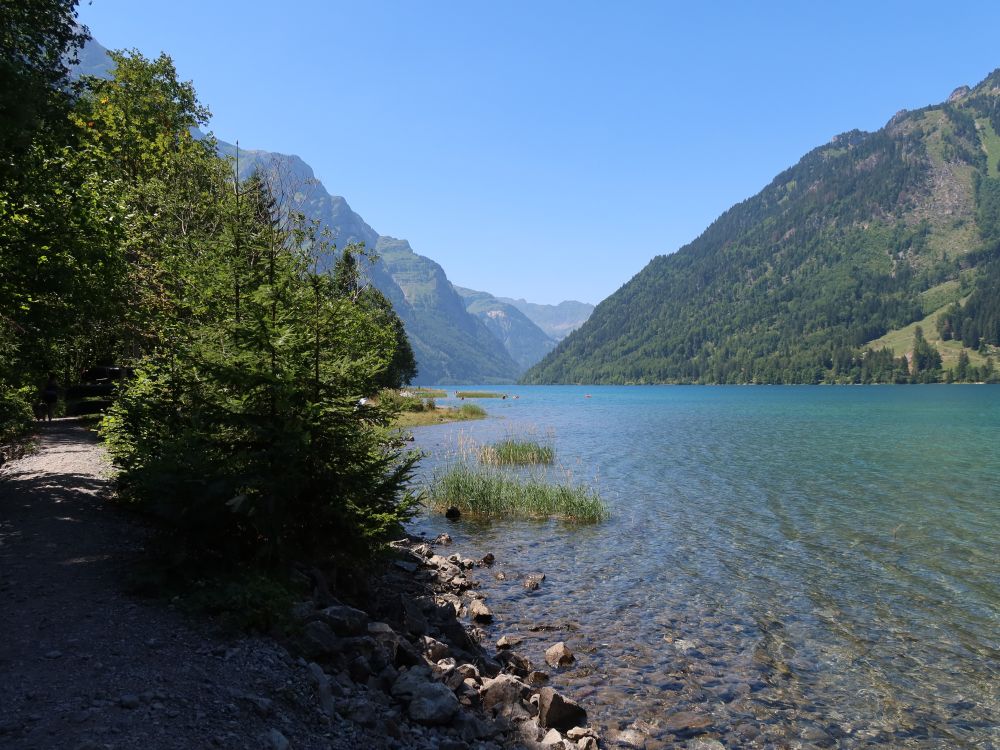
x,y
549,150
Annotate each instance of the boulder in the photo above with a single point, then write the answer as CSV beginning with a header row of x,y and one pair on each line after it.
x,y
434,649
508,642
537,678
559,655
558,712
424,550
410,682
317,640
587,743
504,689
344,620
631,739
433,704
442,539
514,663
479,612
553,739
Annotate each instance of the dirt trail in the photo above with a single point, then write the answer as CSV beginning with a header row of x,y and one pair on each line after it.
x,y
84,665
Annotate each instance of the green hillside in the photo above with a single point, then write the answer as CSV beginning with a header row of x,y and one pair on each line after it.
x,y
865,235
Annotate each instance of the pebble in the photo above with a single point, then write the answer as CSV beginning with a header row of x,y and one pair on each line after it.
x,y
276,740
129,700
53,655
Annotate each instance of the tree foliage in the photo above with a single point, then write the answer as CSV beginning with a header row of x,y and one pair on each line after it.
x,y
125,238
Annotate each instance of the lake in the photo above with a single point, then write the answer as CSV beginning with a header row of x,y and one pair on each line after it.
x,y
784,564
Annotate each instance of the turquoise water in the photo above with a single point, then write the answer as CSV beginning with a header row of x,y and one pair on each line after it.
x,y
815,565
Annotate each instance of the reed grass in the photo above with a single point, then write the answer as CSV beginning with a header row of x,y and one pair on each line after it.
x,y
479,394
490,492
438,415
512,452
428,392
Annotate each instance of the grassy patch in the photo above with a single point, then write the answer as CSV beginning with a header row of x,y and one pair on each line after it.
x,y
490,492
428,392
439,415
479,394
900,341
511,452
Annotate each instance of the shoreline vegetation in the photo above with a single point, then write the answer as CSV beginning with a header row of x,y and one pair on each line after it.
x,y
492,481
417,408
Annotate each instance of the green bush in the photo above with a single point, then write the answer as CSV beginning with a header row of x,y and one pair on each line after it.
x,y
16,414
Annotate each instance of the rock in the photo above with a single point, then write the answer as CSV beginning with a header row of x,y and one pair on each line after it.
x,y
502,690
406,565
587,743
409,682
344,620
433,704
434,649
508,642
276,740
578,733
53,655
558,712
488,559
531,584
688,723
515,663
413,616
704,744
129,700
442,539
500,575
322,680
479,611
629,738
317,640
447,568
559,655
468,671
552,739
537,678
424,550
453,513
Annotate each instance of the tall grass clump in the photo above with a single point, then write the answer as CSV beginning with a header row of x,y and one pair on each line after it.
x,y
479,394
471,411
491,492
516,452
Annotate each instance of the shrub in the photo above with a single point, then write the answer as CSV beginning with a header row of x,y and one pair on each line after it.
x,y
16,414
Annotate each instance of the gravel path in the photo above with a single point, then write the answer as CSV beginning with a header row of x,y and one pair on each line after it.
x,y
85,666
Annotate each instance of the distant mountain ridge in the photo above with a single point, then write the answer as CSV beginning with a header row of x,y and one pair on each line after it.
x,y
525,341
557,321
806,281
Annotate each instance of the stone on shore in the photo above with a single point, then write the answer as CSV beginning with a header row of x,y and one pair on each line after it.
x,y
344,620
479,612
433,704
558,712
559,655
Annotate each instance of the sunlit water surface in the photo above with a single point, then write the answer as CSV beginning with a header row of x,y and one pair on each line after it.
x,y
798,566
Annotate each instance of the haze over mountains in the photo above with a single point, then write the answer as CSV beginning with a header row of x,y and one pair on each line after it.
x,y
815,277
451,343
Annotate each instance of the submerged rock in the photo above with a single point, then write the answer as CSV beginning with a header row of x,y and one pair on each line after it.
x,y
479,612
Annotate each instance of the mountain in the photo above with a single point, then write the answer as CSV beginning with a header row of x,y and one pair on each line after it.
x,y
524,341
557,321
807,280
450,344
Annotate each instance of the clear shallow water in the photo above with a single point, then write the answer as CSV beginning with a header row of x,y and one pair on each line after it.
x,y
800,565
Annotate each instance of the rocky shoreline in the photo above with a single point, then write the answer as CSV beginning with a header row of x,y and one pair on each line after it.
x,y
409,663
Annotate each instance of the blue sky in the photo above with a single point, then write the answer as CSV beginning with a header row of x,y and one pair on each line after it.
x,y
549,150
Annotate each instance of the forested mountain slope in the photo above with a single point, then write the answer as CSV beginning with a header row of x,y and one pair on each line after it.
x,y
865,235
